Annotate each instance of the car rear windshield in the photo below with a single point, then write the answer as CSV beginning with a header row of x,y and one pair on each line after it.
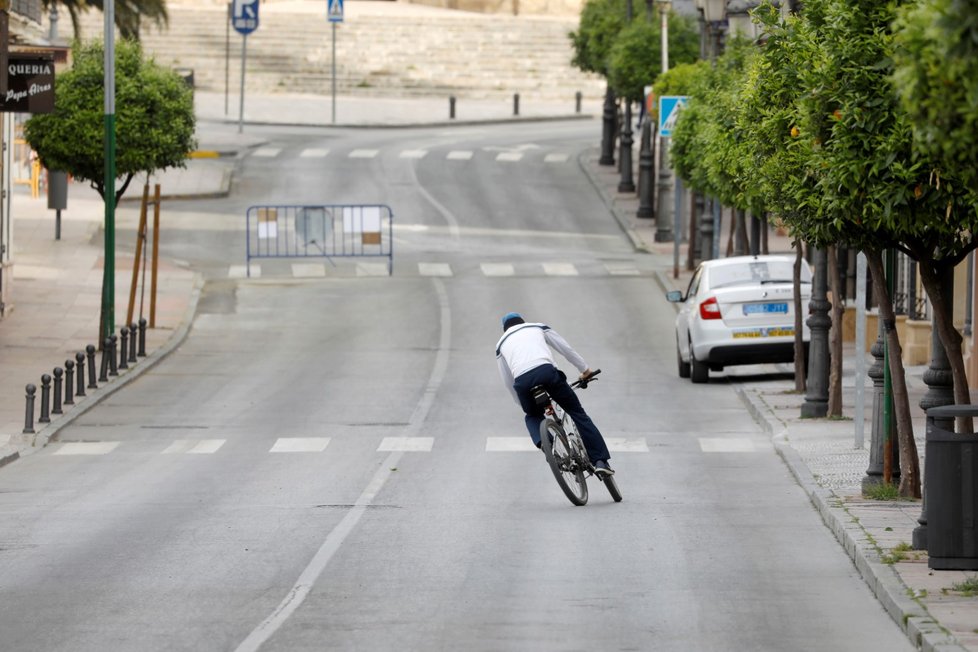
x,y
756,272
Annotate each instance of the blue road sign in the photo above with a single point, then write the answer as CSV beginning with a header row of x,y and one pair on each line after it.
x,y
669,108
335,11
244,16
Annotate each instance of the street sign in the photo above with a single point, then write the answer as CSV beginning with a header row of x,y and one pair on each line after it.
x,y
335,11
669,108
244,16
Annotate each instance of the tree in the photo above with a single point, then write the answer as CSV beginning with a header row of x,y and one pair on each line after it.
x,y
129,14
154,119
635,58
601,20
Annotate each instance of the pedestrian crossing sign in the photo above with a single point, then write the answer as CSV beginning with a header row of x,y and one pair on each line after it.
x,y
335,11
669,108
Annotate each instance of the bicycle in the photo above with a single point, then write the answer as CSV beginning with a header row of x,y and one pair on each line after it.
x,y
564,449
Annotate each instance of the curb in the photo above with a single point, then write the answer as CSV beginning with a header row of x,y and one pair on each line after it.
x,y
405,125
637,243
911,617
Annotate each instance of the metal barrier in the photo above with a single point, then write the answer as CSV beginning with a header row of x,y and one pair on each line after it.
x,y
326,231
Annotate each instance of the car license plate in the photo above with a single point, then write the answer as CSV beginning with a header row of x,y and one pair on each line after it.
x,y
764,332
766,308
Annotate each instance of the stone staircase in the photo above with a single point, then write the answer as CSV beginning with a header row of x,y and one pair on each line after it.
x,y
382,48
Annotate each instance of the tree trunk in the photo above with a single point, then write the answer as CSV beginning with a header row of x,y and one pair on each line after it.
x,y
835,335
909,461
950,337
801,365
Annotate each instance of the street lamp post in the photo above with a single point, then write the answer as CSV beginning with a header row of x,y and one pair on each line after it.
x,y
817,390
627,183
663,217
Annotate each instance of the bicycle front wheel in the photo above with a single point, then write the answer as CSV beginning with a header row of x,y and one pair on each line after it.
x,y
567,470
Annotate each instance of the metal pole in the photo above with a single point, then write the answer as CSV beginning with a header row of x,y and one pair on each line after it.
x,y
334,71
244,56
817,389
860,411
108,277
677,227
227,59
608,128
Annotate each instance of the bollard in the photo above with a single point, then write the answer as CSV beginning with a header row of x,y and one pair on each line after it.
x,y
113,363
451,107
90,352
516,103
577,101
133,329
56,407
142,338
80,364
29,417
69,382
103,373
124,347
45,399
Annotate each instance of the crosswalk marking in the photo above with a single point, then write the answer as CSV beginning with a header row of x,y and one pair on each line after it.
x,y
194,446
313,152
267,152
300,445
621,269
509,156
524,445
371,269
363,153
414,153
459,155
627,444
726,445
87,448
498,269
407,444
308,270
241,271
555,158
434,269
559,269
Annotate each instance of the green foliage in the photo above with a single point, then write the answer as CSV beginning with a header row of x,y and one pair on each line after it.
x,y
129,14
635,58
601,20
154,118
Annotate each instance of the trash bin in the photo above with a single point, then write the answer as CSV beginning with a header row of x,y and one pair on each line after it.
x,y
951,485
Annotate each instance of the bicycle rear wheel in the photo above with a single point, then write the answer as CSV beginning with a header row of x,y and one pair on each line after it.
x,y
609,481
566,470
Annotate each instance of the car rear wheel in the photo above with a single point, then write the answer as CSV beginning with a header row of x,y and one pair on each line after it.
x,y
683,366
699,371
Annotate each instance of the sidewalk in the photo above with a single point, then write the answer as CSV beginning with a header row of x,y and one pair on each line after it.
x,y
53,310
822,456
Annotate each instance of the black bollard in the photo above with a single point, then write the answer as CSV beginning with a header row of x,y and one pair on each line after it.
x,y
142,338
113,363
56,407
90,352
103,373
29,417
451,107
80,363
124,347
133,330
69,382
45,399
516,103
577,102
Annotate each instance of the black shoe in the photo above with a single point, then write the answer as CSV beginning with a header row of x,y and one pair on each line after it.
x,y
601,468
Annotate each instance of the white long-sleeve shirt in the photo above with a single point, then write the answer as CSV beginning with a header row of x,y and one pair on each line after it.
x,y
527,346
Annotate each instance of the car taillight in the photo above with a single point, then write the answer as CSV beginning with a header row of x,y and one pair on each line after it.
x,y
710,309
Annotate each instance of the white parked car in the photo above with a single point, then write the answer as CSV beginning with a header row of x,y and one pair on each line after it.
x,y
739,311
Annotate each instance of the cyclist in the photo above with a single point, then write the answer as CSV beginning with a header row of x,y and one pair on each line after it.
x,y
525,361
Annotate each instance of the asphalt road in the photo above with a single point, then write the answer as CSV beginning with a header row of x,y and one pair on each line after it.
x,y
328,464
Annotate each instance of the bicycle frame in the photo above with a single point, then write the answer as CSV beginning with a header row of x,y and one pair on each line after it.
x,y
578,452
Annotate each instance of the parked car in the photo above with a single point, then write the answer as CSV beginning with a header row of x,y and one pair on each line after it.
x,y
738,311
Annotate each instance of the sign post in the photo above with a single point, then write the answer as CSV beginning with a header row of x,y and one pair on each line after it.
x,y
107,320
244,19
334,13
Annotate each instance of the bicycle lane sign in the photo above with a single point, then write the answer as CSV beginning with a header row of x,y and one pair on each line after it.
x,y
669,108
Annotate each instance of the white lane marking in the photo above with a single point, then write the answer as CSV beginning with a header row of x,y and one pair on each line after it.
x,y
498,269
300,445
509,156
459,155
406,444
555,158
621,269
435,269
414,153
241,271
510,445
559,269
627,444
723,445
313,152
363,153
308,270
371,269
297,595
267,152
194,446
87,448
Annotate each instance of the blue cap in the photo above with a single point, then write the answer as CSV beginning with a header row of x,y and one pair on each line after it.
x,y
511,315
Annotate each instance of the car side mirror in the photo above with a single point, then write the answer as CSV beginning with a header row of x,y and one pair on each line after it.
x,y
675,296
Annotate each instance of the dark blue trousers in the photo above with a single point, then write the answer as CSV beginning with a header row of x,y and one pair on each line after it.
x,y
556,383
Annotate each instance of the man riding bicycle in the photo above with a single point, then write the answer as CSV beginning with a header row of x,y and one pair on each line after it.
x,y
525,361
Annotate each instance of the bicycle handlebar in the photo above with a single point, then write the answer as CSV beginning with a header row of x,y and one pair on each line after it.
x,y
583,383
